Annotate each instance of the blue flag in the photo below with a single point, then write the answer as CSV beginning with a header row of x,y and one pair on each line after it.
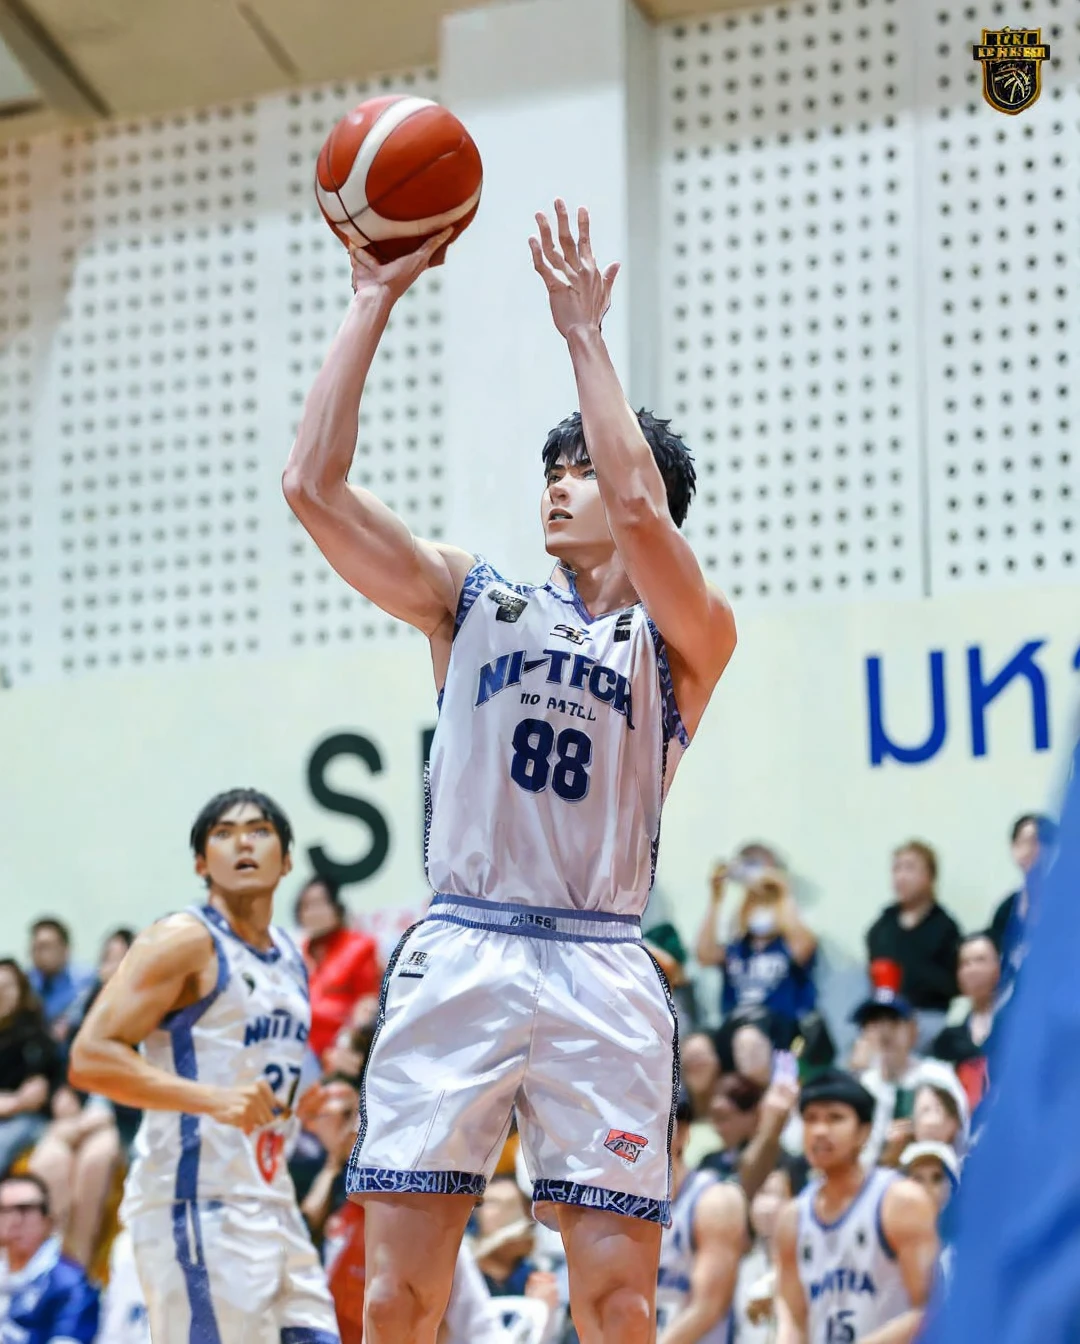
x,y
1016,1269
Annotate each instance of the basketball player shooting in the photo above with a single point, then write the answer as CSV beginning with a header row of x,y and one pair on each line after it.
x,y
217,999
565,708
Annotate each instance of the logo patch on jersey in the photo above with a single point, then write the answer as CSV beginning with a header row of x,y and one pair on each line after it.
x,y
570,632
269,1147
510,605
624,1145
623,627
249,981
415,968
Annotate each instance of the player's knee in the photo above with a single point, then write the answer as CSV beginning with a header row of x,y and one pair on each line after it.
x,y
626,1316
394,1308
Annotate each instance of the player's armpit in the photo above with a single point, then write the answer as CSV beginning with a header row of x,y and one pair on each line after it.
x,y
909,1224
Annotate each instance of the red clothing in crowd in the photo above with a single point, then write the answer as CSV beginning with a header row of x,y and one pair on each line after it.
x,y
348,970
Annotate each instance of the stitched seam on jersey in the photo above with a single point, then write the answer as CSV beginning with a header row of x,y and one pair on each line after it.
x,y
384,989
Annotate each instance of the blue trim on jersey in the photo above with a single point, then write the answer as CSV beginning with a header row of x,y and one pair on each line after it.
x,y
303,1334
831,1227
185,1018
666,1278
883,1240
219,922
204,1329
610,1201
517,907
382,1180
480,577
531,931
672,719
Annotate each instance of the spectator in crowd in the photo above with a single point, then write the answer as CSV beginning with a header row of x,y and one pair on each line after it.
x,y
940,1113
342,963
935,1167
31,1068
918,936
44,1297
699,1067
505,1238
52,977
963,1046
750,1121
771,962
756,1287
892,1073
1030,833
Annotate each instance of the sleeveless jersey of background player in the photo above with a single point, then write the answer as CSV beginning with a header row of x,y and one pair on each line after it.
x,y
254,1023
557,738
851,1279
677,1258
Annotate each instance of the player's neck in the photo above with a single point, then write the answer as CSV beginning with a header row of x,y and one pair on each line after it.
x,y
600,581
841,1186
249,915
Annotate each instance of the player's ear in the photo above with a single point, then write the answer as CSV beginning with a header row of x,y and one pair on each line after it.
x,y
201,869
286,865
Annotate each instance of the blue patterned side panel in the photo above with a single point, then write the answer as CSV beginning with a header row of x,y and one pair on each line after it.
x,y
676,1058
609,1201
378,1180
673,724
476,581
391,966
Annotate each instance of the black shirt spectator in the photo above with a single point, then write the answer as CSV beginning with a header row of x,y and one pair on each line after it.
x,y
30,1065
916,933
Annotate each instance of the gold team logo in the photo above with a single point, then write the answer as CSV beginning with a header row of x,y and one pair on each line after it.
x,y
1012,67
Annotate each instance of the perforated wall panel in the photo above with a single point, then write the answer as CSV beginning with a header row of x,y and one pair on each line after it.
x,y
1001,225
790,317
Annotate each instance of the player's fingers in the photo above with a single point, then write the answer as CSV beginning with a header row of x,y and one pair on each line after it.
x,y
433,244
609,282
585,237
547,243
566,238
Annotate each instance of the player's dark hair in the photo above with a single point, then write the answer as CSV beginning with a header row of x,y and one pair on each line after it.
x,y
28,1005
1045,829
57,925
567,441
29,1178
330,885
221,803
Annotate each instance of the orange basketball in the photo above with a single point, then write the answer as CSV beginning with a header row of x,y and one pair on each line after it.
x,y
396,170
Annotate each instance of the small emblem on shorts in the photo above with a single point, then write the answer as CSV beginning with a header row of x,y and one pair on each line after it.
x,y
510,606
415,968
269,1147
624,1145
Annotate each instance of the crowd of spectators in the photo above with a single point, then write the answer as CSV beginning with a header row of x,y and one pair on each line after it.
x,y
916,1039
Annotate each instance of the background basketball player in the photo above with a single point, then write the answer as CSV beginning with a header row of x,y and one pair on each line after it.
x,y
217,999
855,1252
565,708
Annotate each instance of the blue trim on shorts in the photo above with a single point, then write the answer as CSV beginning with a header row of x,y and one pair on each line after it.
x,y
608,1201
518,907
303,1334
530,931
382,1180
204,1328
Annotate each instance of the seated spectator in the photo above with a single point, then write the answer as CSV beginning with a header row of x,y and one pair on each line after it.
x,y
699,1067
963,1046
918,936
1030,834
44,1297
771,963
52,977
504,1242
342,963
940,1113
891,1076
31,1068
935,1167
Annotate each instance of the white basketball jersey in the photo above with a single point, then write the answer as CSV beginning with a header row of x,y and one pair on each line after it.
x,y
850,1277
253,1024
558,736
677,1252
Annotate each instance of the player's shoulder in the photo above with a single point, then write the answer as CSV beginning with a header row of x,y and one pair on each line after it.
x,y
720,1206
906,1208
176,938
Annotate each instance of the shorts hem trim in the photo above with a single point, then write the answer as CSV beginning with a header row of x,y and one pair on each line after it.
x,y
609,1201
384,1181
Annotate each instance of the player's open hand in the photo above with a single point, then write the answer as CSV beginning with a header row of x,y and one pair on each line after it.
x,y
395,277
248,1108
579,292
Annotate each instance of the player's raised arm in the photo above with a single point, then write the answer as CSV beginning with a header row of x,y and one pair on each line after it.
x,y
166,968
365,541
909,1223
693,617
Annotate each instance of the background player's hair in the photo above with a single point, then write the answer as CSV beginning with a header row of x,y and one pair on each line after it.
x,y
567,440
28,1000
57,925
221,803
29,1178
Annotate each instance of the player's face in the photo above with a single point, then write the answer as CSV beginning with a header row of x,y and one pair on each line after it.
x,y
571,511
832,1135
243,853
932,1176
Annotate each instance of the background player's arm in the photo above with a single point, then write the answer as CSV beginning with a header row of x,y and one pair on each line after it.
x,y
365,541
693,617
909,1222
164,970
790,1299
720,1236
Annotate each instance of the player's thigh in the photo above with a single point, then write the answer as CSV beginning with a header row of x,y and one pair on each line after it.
x,y
304,1310
607,1254
445,1063
597,1104
412,1242
208,1273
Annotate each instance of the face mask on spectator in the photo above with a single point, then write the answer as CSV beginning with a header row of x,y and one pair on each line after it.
x,y
761,922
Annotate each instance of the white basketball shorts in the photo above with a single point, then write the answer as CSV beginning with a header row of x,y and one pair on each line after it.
x,y
237,1273
560,1016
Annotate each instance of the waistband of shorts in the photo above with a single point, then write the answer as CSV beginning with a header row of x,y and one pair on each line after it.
x,y
535,921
